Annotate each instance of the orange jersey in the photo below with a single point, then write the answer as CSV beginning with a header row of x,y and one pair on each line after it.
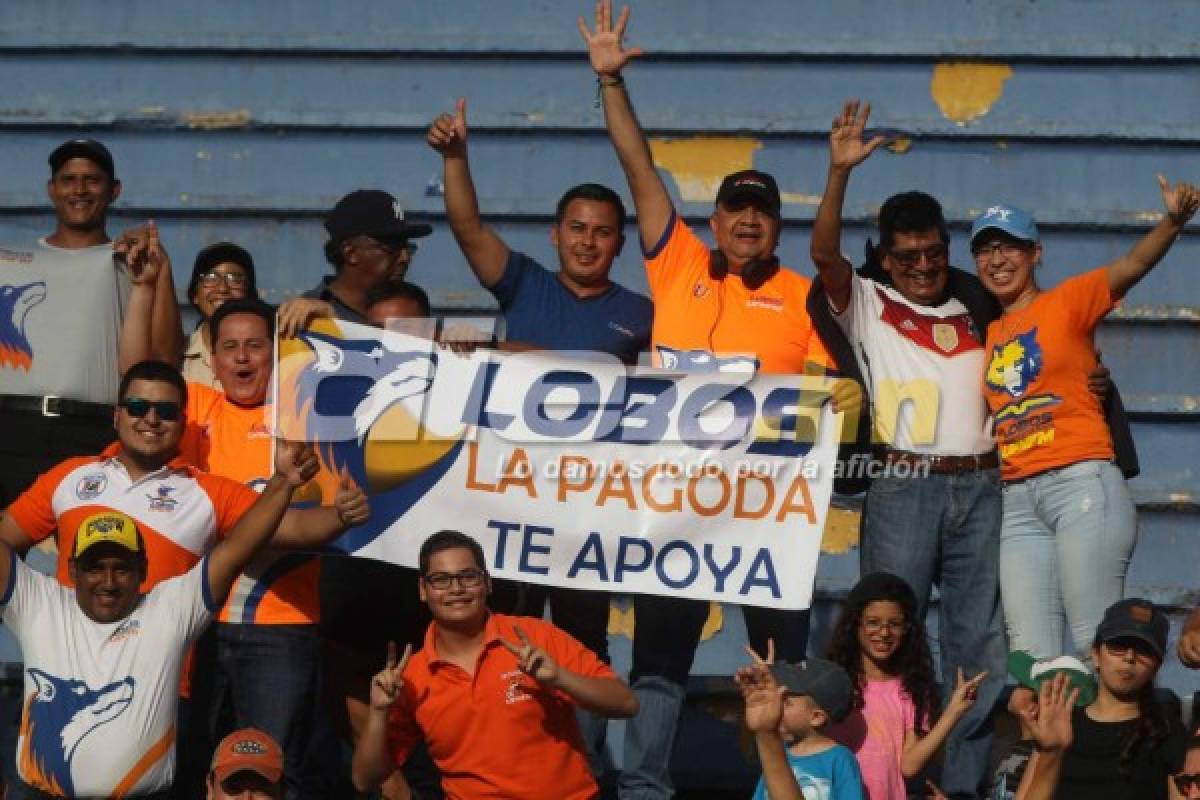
x,y
702,323
278,588
497,733
1038,360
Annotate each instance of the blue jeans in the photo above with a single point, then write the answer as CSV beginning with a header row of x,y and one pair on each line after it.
x,y
270,673
1064,550
945,529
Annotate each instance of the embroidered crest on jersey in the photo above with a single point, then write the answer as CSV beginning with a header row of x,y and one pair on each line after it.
x,y
91,486
15,304
947,336
58,715
162,499
700,289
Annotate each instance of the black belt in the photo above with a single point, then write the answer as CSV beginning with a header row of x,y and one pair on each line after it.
x,y
52,406
943,465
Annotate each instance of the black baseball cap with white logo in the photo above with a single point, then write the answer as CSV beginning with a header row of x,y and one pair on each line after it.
x,y
83,148
374,213
754,186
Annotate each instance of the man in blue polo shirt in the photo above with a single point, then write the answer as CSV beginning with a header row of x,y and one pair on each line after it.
x,y
577,308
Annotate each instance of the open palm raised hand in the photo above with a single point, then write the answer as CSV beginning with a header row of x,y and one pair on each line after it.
x,y
605,50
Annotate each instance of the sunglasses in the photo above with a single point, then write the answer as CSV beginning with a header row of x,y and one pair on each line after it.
x,y
167,410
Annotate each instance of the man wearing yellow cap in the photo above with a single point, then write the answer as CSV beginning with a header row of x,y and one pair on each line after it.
x,y
102,660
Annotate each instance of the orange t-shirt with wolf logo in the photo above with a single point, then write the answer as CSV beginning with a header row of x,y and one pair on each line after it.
x,y
1036,379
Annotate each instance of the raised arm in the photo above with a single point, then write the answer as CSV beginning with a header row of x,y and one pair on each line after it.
x,y
1181,203
650,197
609,697
1053,735
372,764
313,528
763,698
295,465
918,750
846,151
485,251
146,261
166,327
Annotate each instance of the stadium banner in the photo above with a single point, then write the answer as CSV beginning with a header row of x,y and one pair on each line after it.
x,y
570,469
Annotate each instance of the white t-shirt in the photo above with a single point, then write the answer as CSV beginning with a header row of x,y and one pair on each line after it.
x,y
60,320
100,699
924,367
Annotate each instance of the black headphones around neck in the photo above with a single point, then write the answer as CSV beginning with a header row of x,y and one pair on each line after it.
x,y
754,273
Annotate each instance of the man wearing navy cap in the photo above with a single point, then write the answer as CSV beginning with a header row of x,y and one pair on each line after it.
x,y
370,242
62,301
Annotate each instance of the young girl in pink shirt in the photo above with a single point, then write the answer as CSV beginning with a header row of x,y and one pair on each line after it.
x,y
882,645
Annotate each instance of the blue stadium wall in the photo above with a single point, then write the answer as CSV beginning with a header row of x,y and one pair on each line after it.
x,y
246,121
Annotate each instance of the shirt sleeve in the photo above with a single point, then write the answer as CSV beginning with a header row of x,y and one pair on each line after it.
x,y
847,320
516,272
34,509
1087,297
847,777
679,253
28,599
230,500
402,730
187,600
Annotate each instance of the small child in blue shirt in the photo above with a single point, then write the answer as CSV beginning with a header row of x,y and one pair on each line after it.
x,y
787,706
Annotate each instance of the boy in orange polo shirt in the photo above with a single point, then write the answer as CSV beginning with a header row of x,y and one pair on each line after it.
x,y
493,696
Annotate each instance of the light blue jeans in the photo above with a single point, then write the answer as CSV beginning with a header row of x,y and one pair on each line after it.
x,y
1065,546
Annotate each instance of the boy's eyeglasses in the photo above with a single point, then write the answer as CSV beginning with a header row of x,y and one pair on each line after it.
x,y
137,407
467,579
1185,782
1008,250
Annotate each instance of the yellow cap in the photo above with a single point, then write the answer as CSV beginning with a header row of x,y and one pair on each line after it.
x,y
112,527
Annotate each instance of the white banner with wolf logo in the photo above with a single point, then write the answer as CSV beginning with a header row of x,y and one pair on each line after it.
x,y
570,469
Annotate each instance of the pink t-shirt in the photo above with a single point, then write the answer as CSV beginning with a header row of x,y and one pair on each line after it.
x,y
875,734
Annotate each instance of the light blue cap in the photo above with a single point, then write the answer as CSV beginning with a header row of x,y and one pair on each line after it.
x,y
1008,219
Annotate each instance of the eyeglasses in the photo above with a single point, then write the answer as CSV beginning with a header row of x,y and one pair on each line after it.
x,y
1006,249
138,407
467,579
1186,781
912,258
234,280
877,625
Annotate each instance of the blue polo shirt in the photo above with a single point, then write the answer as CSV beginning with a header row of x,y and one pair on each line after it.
x,y
540,311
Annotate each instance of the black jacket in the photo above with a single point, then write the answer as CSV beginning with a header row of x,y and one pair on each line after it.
x,y
983,310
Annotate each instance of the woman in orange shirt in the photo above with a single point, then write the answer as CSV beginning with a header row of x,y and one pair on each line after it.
x,y
1069,521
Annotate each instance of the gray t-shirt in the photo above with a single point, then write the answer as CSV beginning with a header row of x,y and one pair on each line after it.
x,y
60,320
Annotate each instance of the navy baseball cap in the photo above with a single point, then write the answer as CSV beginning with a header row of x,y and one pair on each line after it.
x,y
825,682
753,185
83,148
374,213
1006,219
1135,618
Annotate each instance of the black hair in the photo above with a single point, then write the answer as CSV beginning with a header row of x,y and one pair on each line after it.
x,y
152,370
591,191
450,540
912,661
910,212
399,290
333,253
245,305
1153,725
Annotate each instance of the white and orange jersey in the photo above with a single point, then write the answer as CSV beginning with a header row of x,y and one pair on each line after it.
x,y
277,588
180,510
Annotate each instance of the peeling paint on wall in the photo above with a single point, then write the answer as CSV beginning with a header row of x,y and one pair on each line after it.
x,y
621,621
699,164
841,531
216,120
965,92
